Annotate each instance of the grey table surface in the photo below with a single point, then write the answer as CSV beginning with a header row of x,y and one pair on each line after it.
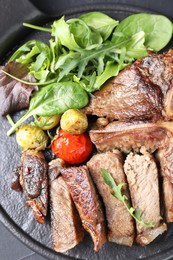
x,y
10,247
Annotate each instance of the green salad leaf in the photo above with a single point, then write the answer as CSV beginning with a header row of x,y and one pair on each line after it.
x,y
117,193
158,29
54,99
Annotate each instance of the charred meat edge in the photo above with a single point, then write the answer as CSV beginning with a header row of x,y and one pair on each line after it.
x,y
87,203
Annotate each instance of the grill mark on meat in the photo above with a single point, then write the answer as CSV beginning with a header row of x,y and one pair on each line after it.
x,y
130,136
120,223
87,203
142,177
66,226
35,183
127,97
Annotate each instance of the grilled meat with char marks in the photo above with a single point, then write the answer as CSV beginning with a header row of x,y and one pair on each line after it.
x,y
142,177
120,223
87,203
143,90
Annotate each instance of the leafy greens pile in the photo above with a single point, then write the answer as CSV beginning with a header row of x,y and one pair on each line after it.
x,y
87,51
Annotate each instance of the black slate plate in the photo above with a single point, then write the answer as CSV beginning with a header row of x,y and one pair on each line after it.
x,y
20,220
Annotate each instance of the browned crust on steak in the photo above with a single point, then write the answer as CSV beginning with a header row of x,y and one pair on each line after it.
x,y
130,136
120,223
66,226
87,203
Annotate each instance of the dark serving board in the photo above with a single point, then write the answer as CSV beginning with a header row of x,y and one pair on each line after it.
x,y
13,212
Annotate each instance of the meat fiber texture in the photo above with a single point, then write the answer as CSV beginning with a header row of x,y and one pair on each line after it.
x,y
144,90
119,222
142,177
67,230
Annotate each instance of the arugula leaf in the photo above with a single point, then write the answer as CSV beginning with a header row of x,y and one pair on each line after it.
x,y
117,193
61,31
54,99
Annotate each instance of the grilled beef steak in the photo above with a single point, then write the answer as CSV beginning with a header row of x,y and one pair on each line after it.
x,y
142,177
34,181
120,223
128,136
67,230
165,156
168,198
126,97
87,203
165,160
141,91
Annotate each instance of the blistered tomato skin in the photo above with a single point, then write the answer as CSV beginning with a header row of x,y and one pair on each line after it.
x,y
73,149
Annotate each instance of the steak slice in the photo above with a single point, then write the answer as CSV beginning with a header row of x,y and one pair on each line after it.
x,y
130,135
165,156
157,69
126,97
120,223
34,181
168,199
67,230
87,203
142,177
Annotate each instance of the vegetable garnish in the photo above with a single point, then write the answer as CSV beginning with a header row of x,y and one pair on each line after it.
x,y
54,99
84,52
73,149
117,193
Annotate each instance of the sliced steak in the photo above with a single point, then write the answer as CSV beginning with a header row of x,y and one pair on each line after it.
x,y
165,156
87,203
142,177
120,223
67,230
168,199
35,182
126,97
128,136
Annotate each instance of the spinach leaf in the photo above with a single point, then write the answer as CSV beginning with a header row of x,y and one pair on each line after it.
x,y
101,22
158,29
55,99
84,36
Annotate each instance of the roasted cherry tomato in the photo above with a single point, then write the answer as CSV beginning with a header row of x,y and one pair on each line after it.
x,y
73,149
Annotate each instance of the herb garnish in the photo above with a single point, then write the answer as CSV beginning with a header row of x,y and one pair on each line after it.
x,y
117,193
